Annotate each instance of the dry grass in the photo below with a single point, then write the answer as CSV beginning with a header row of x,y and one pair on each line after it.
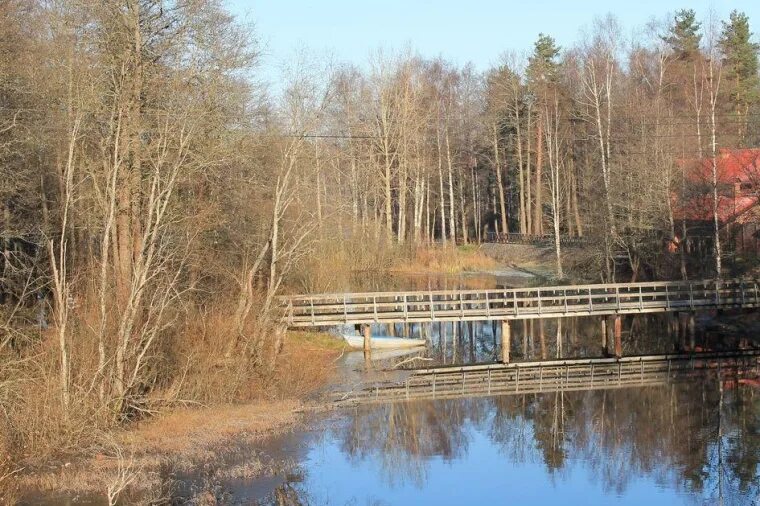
x,y
329,268
533,258
180,441
306,364
447,260
8,470
184,439
191,432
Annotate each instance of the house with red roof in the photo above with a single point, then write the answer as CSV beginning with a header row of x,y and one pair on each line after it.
x,y
738,176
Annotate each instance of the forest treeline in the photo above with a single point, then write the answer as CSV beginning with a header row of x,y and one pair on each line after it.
x,y
156,197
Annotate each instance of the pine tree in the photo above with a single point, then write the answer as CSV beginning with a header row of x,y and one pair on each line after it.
x,y
542,64
740,60
684,36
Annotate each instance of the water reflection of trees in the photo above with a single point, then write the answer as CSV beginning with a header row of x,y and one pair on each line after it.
x,y
677,435
404,436
473,342
465,342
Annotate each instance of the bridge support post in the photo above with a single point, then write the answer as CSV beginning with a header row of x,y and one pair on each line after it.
x,y
692,331
618,334
506,341
675,328
604,336
392,329
671,320
367,333
684,329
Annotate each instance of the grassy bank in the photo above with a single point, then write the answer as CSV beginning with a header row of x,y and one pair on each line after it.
x,y
202,440
445,260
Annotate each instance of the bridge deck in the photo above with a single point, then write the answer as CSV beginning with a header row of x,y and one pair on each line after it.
x,y
510,304
553,376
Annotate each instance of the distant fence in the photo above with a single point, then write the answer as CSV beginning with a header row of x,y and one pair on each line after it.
x,y
541,239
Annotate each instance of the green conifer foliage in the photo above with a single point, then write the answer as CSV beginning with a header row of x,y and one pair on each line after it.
x,y
740,60
684,36
542,64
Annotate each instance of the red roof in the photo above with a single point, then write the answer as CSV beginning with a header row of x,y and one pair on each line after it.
x,y
735,167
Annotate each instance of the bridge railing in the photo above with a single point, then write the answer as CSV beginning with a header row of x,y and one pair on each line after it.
x,y
541,302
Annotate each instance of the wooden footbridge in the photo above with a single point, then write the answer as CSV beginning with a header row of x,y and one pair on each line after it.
x,y
515,304
612,300
553,376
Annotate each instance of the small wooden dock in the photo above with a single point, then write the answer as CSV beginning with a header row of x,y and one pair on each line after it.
x,y
554,376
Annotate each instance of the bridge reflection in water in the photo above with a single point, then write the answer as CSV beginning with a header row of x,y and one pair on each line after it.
x,y
692,440
555,376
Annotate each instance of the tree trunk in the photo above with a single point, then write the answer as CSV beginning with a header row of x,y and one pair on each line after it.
x,y
538,225
452,206
499,182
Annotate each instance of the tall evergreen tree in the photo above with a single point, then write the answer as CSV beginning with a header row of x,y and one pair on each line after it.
x,y
740,60
542,64
683,36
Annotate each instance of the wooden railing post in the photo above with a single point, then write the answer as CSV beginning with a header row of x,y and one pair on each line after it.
x,y
290,311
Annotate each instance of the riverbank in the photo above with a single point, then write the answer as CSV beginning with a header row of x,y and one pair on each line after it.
x,y
184,453
516,260
445,260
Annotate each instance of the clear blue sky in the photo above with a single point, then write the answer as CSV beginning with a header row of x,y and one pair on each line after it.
x,y
461,31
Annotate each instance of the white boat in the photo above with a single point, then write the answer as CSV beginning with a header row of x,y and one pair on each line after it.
x,y
383,342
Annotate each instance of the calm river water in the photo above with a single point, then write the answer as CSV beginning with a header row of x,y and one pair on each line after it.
x,y
685,443
693,443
